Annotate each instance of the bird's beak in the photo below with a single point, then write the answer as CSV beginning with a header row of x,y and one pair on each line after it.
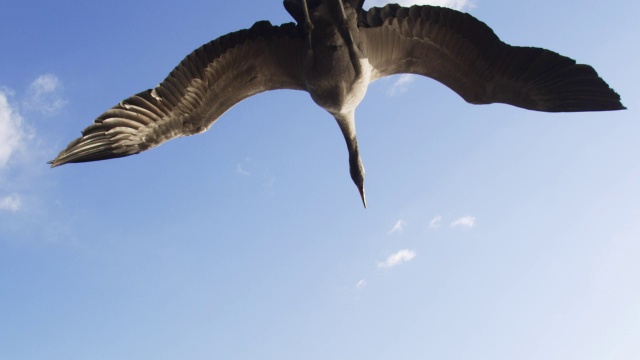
x,y
364,200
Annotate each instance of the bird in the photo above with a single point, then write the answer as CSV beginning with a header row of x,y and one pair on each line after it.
x,y
333,50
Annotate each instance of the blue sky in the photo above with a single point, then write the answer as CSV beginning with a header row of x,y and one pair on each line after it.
x,y
492,232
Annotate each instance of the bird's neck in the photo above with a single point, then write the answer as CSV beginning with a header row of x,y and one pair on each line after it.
x,y
347,124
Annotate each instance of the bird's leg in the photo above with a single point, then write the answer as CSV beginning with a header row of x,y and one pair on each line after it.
x,y
348,37
308,25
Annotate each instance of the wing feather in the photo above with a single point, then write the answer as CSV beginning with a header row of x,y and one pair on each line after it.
x,y
464,54
207,83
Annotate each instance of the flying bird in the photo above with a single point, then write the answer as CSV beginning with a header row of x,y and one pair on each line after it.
x,y
333,51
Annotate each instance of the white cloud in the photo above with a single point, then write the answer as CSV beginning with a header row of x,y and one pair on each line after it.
x,y
466,221
435,222
362,283
12,135
401,85
44,95
453,4
398,258
11,203
242,171
398,227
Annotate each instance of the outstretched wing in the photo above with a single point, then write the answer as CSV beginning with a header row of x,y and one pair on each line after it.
x,y
464,54
198,91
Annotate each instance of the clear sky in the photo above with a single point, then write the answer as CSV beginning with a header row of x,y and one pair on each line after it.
x,y
492,232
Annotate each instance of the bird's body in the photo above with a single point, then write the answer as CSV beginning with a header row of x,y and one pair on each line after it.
x,y
333,52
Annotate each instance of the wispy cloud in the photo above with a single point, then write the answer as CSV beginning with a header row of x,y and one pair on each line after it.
x,y
435,222
18,141
362,283
398,227
11,203
401,85
398,258
466,221
45,95
242,171
12,135
453,4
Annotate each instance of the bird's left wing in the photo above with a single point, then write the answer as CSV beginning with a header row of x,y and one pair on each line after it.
x,y
464,54
207,83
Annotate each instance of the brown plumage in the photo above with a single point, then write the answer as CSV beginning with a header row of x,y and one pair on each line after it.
x,y
333,52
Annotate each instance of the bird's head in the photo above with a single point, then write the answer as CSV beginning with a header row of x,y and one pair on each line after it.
x,y
356,169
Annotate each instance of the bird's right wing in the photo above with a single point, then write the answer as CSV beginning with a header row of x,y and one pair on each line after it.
x,y
464,54
200,89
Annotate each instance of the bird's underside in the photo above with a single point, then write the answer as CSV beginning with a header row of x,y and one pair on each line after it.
x,y
333,52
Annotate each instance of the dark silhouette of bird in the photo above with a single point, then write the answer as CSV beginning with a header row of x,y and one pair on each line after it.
x,y
333,51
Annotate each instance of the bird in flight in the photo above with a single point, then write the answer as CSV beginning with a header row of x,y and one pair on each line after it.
x,y
333,51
